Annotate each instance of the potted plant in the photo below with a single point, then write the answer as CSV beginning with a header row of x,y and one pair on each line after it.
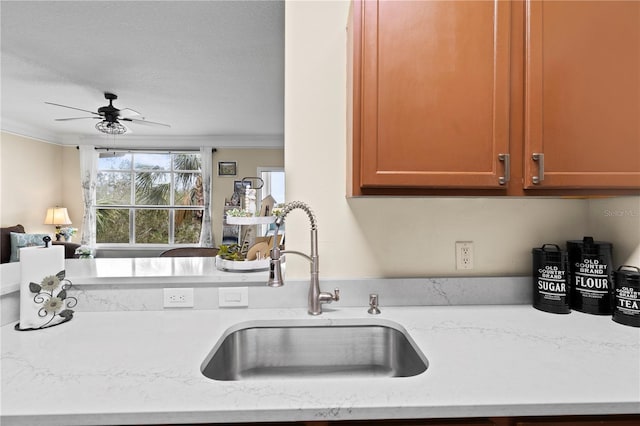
x,y
68,233
84,252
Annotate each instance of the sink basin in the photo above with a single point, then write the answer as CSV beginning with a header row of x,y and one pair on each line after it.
x,y
314,349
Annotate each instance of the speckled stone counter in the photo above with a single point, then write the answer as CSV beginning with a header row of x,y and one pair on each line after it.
x,y
107,368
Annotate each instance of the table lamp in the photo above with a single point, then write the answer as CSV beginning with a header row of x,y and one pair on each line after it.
x,y
57,216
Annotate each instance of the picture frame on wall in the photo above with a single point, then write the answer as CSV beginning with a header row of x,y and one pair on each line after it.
x,y
227,168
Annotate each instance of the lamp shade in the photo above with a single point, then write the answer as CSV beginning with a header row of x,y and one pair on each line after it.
x,y
57,216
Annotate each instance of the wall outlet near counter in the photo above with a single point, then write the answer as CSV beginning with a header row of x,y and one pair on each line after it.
x,y
178,298
464,254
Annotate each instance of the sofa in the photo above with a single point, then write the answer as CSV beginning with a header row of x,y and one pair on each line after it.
x,y
5,244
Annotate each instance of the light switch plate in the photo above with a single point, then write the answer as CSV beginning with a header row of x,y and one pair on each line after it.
x,y
233,297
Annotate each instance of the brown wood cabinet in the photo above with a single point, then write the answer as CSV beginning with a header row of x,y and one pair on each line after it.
x,y
583,93
500,98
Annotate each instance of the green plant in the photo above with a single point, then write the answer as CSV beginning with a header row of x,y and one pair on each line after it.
x,y
239,213
277,209
231,252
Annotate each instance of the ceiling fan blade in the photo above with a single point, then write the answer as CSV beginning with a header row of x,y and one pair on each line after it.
x,y
145,122
77,109
128,112
75,118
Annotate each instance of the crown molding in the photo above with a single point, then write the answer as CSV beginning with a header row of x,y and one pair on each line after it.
x,y
20,129
214,141
133,141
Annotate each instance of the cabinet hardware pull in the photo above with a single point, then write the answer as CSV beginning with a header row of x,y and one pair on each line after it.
x,y
502,180
539,157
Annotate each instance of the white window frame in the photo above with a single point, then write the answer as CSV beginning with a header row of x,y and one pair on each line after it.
x,y
266,190
171,207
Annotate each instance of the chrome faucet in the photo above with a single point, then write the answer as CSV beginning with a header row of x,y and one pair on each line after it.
x,y
316,297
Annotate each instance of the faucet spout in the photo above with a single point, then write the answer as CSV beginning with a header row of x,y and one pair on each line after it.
x,y
316,297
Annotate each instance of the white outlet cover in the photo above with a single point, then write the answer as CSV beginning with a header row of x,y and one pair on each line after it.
x,y
233,297
464,255
178,297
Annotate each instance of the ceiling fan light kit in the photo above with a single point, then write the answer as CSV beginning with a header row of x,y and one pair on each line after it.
x,y
111,128
110,116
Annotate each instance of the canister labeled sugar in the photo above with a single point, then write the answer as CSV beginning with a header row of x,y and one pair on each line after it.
x,y
550,279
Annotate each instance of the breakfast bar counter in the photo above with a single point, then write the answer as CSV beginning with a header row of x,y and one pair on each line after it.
x,y
143,367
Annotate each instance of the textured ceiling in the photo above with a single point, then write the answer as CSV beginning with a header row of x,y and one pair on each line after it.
x,y
213,70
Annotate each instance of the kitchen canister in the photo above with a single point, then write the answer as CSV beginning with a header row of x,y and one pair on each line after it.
x,y
591,276
550,279
626,295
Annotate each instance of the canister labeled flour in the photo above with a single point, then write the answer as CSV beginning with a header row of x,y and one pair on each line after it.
x,y
626,295
591,276
550,279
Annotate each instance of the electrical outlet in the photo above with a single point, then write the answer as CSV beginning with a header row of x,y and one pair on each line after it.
x,y
464,254
178,298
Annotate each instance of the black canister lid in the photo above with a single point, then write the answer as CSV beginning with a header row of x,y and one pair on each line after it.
x,y
630,273
547,248
549,252
588,242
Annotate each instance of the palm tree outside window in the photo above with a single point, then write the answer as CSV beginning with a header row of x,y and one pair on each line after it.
x,y
149,198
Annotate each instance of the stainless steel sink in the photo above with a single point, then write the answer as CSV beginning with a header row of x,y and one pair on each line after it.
x,y
314,349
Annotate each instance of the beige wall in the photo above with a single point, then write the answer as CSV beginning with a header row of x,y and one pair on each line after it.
x,y
617,220
31,181
72,195
396,237
248,161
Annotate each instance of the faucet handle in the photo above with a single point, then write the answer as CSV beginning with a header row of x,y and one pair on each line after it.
x,y
326,297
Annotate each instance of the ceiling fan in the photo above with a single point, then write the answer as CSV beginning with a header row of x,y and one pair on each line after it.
x,y
111,116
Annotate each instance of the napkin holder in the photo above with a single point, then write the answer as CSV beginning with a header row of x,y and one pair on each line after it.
x,y
44,299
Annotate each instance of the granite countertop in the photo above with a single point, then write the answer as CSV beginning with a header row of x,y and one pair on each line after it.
x,y
144,368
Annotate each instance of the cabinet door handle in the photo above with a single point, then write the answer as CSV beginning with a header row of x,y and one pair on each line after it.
x,y
539,157
507,168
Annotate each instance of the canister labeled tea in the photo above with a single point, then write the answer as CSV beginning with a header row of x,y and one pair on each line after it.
x,y
626,295
591,276
550,279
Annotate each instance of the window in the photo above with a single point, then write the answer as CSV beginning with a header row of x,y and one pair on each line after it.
x,y
151,197
273,178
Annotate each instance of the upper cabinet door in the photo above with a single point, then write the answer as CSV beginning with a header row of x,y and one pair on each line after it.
x,y
582,94
433,93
